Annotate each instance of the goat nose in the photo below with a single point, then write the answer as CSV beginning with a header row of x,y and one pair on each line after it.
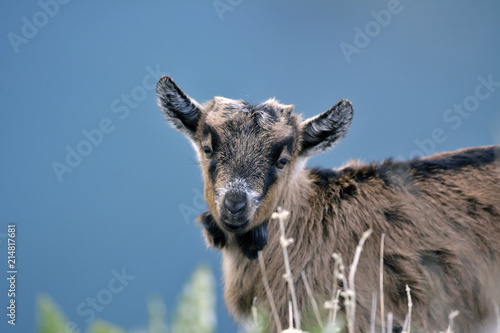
x,y
235,203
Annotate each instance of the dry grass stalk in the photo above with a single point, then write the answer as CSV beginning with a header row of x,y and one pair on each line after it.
x,y
451,316
336,307
407,324
254,310
274,311
291,329
311,297
373,313
281,215
389,322
497,312
351,292
382,314
340,275
332,305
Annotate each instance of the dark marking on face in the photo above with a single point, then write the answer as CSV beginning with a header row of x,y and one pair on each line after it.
x,y
274,155
212,170
209,131
269,180
210,139
278,148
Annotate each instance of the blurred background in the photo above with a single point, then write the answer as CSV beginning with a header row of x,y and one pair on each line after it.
x,y
103,192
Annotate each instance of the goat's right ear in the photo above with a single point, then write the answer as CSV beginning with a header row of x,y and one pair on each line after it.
x,y
180,110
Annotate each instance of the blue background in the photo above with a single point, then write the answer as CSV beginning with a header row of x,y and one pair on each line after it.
x,y
130,203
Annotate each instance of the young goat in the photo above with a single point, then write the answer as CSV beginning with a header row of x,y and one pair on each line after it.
x,y
440,214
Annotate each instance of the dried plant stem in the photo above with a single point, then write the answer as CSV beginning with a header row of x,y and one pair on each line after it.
x,y
497,312
351,315
340,275
311,297
451,316
268,293
373,313
332,304
407,324
389,322
281,215
382,314
336,306
254,309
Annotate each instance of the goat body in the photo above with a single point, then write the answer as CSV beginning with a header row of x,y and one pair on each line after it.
x,y
441,219
440,214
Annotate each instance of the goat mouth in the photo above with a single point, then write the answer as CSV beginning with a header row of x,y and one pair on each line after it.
x,y
236,227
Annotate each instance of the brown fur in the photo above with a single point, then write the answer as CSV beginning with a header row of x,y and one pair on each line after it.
x,y
442,239
440,214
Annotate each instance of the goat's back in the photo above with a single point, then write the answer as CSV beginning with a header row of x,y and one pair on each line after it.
x,y
441,218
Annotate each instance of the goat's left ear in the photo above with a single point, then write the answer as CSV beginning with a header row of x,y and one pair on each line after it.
x,y
326,129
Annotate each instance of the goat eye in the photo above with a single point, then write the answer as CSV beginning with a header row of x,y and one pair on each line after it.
x,y
207,150
280,164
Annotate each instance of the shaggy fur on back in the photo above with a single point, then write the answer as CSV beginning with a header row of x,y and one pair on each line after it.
x,y
440,215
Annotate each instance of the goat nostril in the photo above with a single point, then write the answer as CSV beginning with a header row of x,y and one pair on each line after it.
x,y
235,203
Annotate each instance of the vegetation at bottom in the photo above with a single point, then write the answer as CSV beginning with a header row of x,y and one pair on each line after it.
x,y
195,312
